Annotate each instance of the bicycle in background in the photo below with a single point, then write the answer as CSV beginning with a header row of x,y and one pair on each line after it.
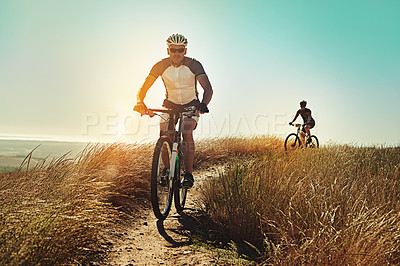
x,y
294,140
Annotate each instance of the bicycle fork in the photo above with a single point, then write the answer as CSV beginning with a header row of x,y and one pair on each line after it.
x,y
174,161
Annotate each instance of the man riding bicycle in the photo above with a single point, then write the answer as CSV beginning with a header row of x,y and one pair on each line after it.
x,y
180,75
308,121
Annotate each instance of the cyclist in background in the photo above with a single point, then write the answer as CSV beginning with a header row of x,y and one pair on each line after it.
x,y
180,75
308,121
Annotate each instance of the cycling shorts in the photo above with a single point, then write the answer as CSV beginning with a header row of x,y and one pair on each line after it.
x,y
165,117
311,124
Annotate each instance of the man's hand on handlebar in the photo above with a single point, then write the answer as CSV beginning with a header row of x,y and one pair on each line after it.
x,y
291,123
141,108
202,108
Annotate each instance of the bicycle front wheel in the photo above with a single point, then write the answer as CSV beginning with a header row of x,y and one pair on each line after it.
x,y
292,142
314,142
161,181
180,192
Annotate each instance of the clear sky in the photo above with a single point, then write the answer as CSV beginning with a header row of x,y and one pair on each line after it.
x,y
70,69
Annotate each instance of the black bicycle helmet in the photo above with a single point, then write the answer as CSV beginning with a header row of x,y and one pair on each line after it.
x,y
303,103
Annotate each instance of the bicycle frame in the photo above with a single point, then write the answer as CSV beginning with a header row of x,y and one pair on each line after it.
x,y
169,144
176,136
299,130
172,131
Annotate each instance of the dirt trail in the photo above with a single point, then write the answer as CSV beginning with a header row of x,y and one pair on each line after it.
x,y
152,242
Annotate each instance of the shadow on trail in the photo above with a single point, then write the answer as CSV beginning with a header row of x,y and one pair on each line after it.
x,y
198,228
175,240
186,227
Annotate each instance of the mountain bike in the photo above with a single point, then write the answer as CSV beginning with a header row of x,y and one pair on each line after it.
x,y
168,166
294,141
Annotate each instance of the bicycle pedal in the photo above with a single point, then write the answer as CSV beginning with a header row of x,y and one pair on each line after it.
x,y
187,183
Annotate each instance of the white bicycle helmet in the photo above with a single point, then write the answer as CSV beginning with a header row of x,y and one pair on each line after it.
x,y
177,39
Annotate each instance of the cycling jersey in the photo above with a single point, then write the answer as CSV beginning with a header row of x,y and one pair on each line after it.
x,y
180,82
306,115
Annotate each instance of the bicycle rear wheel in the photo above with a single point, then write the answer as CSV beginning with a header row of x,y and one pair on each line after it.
x,y
180,192
292,142
161,182
314,142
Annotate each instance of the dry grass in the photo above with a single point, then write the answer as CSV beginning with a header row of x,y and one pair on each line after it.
x,y
337,205
222,150
54,213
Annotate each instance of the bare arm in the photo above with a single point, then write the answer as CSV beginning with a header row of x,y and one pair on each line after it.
x,y
149,81
295,117
208,91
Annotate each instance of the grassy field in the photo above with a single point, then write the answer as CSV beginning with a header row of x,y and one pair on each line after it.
x,y
338,205
335,205
55,212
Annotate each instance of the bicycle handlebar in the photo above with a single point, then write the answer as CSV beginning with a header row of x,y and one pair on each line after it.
x,y
296,125
151,111
160,110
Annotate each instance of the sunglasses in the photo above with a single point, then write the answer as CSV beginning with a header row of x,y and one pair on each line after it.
x,y
173,50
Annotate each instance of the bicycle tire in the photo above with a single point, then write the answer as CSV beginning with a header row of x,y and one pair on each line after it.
x,y
161,192
180,192
292,142
314,142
